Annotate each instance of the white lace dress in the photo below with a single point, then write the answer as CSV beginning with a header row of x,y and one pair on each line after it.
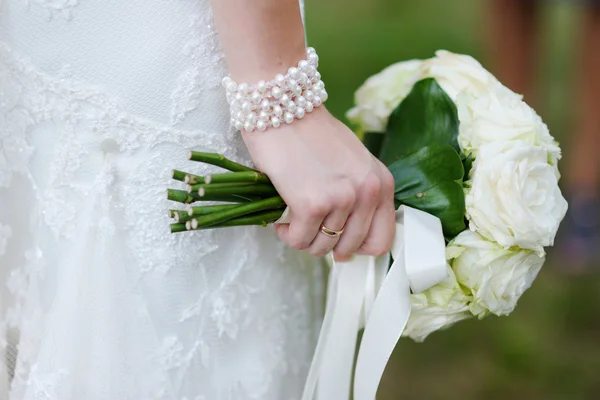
x,y
99,100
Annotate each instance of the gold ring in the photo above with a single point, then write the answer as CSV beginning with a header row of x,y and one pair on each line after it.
x,y
331,232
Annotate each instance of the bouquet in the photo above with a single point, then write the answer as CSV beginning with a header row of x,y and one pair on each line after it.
x,y
484,162
476,187
462,147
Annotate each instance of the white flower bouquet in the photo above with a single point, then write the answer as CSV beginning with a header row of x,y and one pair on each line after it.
x,y
483,162
461,147
476,187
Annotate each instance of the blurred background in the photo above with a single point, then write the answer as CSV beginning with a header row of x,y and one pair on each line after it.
x,y
549,348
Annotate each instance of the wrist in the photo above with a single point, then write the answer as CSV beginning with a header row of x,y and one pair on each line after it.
x,y
277,102
266,63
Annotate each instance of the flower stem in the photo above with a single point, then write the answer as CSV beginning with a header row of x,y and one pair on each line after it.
x,y
218,160
184,197
192,179
182,216
252,189
178,228
261,219
179,175
204,210
247,176
196,188
180,196
237,212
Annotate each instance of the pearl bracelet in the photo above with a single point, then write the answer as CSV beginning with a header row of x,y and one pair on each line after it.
x,y
284,99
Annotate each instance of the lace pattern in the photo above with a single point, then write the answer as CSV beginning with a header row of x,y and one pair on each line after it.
x,y
99,289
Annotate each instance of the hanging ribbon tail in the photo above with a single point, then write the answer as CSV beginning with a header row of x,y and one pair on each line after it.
x,y
331,371
362,295
419,263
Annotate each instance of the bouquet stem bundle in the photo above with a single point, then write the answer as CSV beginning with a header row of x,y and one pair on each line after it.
x,y
244,196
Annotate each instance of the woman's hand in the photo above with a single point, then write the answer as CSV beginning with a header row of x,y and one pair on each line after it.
x,y
322,171
327,178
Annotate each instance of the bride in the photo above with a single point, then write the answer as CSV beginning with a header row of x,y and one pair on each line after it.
x,y
99,100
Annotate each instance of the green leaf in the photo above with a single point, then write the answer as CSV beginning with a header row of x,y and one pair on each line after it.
x,y
426,116
430,180
373,142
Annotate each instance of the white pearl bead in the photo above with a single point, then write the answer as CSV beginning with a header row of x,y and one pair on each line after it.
x,y
278,111
291,107
265,105
303,64
238,97
303,79
293,72
323,95
280,79
285,99
239,115
300,101
263,116
276,122
288,118
252,117
291,85
319,85
276,92
239,125
244,88
300,113
313,59
246,107
311,71
225,81
235,105
232,121
256,97
317,101
231,86
249,126
261,86
309,107
309,95
261,126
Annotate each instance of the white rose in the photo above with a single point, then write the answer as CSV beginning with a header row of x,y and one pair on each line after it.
x,y
381,93
457,73
437,308
496,277
513,196
500,116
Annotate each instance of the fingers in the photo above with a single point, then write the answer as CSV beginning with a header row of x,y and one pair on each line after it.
x,y
304,226
309,216
366,214
371,227
336,220
359,221
381,232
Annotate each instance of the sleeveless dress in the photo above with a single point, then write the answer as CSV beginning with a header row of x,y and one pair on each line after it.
x,y
99,100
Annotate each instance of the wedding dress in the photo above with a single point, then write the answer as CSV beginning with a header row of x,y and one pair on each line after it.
x,y
99,100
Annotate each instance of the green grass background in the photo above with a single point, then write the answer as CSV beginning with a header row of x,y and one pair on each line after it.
x,y
549,348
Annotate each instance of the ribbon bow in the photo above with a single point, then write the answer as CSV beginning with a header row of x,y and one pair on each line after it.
x,y
362,293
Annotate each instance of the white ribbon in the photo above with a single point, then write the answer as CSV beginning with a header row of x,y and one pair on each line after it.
x,y
363,293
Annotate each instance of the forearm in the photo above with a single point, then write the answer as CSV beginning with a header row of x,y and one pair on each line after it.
x,y
260,38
